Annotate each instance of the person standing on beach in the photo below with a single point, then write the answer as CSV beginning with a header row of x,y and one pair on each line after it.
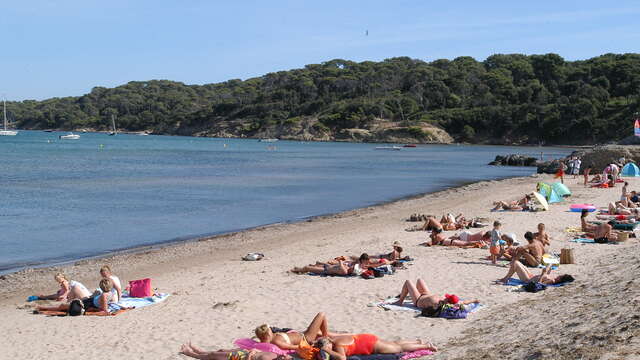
x,y
496,238
561,169
586,173
576,167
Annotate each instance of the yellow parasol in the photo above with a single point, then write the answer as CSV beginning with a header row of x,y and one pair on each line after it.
x,y
541,200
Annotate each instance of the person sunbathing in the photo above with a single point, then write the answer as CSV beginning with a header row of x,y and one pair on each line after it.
x,y
69,290
525,275
530,254
291,340
523,204
604,233
195,352
584,224
431,224
542,236
344,346
437,238
618,209
342,268
425,300
106,273
509,251
449,222
99,300
466,239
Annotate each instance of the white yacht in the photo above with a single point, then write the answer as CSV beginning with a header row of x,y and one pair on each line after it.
x,y
4,131
69,136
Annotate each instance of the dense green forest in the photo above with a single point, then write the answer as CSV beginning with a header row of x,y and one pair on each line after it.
x,y
504,99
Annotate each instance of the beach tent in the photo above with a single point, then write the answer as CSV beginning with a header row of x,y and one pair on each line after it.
x,y
549,193
561,189
541,200
631,170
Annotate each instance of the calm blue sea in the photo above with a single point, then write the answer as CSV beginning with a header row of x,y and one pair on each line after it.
x,y
62,200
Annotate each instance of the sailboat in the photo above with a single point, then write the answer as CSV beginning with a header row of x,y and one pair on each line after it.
x,y
6,132
113,124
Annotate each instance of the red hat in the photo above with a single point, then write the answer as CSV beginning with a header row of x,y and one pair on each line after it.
x,y
452,299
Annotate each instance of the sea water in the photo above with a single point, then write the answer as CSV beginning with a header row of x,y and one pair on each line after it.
x,y
62,200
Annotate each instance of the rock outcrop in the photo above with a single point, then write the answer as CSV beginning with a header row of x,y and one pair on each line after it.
x,y
514,160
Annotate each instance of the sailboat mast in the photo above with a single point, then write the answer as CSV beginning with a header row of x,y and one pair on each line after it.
x,y
4,112
113,124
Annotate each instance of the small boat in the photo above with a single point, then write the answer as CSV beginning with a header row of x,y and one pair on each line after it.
x,y
69,136
388,148
48,130
143,133
5,132
113,124
268,140
409,145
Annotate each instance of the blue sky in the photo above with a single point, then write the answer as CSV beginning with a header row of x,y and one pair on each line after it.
x,y
65,49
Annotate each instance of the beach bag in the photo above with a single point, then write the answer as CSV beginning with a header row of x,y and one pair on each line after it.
x,y
76,308
140,288
452,312
534,287
384,269
368,274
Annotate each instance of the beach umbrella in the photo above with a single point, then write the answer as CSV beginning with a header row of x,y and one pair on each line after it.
x,y
541,200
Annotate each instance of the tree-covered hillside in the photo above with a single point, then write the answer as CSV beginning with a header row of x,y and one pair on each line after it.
x,y
504,99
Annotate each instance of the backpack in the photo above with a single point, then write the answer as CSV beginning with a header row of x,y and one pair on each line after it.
x,y
534,287
452,312
76,308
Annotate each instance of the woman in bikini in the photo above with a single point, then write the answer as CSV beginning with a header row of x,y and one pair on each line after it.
x,y
291,340
343,346
235,354
525,275
466,239
341,268
424,299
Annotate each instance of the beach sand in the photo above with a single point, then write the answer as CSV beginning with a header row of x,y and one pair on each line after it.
x,y
217,298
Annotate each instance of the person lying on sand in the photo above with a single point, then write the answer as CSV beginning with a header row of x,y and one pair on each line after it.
x,y
291,340
343,346
619,209
98,300
523,204
342,268
465,239
530,254
69,290
234,354
424,299
525,275
437,238
449,222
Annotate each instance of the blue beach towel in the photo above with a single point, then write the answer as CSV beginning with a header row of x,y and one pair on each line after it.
x,y
583,241
408,306
130,302
518,282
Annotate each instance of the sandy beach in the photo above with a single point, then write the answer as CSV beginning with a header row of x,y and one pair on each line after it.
x,y
216,297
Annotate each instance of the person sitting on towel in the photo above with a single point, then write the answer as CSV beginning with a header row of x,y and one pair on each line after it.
x,y
530,254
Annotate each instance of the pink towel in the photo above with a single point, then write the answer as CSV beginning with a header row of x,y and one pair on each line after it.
x,y
416,354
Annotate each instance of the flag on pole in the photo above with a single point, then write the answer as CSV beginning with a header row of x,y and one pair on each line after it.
x,y
636,128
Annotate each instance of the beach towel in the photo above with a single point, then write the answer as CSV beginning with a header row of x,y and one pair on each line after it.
x,y
250,344
408,306
131,302
518,282
125,304
583,241
416,354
